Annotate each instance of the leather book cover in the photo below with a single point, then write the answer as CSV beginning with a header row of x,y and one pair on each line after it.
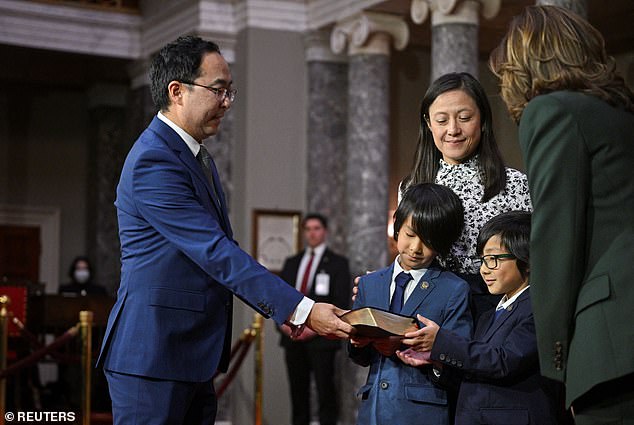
x,y
376,323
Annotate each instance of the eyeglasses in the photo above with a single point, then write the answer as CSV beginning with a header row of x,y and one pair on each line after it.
x,y
491,261
220,92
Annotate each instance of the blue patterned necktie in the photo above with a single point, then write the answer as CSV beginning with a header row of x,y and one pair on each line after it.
x,y
206,162
401,281
498,313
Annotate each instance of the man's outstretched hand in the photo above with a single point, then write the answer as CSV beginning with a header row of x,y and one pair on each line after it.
x,y
324,319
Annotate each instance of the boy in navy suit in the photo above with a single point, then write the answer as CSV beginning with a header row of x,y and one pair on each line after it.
x,y
427,222
501,379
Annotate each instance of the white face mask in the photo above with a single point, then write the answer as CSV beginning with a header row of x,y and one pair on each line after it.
x,y
82,275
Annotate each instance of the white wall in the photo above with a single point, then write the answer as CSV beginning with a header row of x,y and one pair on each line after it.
x,y
268,170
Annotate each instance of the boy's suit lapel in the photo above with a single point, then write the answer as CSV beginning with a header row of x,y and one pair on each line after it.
x,y
380,297
424,287
505,315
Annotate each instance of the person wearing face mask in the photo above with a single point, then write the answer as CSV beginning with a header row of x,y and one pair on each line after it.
x,y
81,283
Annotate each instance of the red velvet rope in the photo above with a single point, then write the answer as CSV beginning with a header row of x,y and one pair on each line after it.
x,y
241,348
36,355
36,344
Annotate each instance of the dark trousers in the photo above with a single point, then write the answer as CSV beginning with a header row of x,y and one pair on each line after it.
x,y
609,403
138,400
301,363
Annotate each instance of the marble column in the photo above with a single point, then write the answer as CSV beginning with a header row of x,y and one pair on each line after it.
x,y
107,115
580,7
369,37
327,122
454,32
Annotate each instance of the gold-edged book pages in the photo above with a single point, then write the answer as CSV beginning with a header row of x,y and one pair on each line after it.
x,y
376,323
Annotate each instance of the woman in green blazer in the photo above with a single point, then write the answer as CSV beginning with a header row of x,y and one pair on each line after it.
x,y
576,131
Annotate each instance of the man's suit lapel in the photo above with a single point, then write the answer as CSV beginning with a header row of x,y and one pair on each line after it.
x,y
174,142
424,287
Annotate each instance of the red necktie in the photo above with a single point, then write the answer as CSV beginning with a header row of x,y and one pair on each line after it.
x,y
307,273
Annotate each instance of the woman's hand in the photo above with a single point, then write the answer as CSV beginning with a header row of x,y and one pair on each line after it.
x,y
355,287
422,339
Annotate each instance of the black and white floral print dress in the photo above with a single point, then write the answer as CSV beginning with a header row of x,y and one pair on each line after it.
x,y
466,181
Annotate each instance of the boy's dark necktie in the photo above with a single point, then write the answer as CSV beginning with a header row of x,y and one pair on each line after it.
x,y
401,281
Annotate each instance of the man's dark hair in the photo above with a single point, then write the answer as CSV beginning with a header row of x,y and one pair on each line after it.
x,y
514,230
178,61
437,215
315,216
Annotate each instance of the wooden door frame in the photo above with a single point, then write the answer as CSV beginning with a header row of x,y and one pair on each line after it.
x,y
48,220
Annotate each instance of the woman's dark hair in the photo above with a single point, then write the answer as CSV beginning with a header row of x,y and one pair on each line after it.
x,y
73,264
514,230
427,156
437,215
178,61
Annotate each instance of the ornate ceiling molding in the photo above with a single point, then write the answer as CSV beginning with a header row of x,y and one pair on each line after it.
x,y
59,27
359,34
453,11
124,35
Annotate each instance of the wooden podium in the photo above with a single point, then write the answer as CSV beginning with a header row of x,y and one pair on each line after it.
x,y
50,313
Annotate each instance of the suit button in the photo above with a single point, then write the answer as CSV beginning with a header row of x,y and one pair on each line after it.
x,y
384,385
442,357
453,362
459,363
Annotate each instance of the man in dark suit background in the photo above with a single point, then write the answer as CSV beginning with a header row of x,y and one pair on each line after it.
x,y
170,328
325,277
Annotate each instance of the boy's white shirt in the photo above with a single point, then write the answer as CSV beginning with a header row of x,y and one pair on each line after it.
x,y
506,302
417,274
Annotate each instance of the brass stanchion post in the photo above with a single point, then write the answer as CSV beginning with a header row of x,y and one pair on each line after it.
x,y
4,331
258,328
85,326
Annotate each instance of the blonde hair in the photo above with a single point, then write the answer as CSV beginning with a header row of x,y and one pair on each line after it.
x,y
548,48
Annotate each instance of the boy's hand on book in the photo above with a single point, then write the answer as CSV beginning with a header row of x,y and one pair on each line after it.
x,y
422,339
387,346
414,358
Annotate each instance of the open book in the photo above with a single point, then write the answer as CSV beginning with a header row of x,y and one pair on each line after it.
x,y
376,323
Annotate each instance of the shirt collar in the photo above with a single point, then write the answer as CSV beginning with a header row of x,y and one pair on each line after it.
x,y
318,250
470,164
506,302
416,273
191,143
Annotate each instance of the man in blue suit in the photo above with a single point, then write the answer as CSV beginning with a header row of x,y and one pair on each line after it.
x,y
170,329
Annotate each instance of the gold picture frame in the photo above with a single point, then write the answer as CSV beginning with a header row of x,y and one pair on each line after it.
x,y
276,236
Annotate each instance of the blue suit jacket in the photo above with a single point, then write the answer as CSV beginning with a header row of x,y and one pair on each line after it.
x,y
396,393
180,267
502,384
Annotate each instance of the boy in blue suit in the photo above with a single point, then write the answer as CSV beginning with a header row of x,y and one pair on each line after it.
x,y
427,222
501,382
